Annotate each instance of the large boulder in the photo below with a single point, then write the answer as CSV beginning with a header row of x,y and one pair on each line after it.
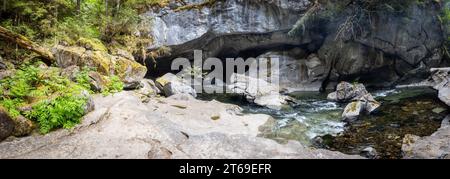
x,y
147,89
436,146
258,91
22,126
6,124
128,70
297,71
14,126
352,111
346,92
171,84
440,80
444,95
360,100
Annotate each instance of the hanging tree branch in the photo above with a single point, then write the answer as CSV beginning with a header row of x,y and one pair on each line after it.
x,y
24,42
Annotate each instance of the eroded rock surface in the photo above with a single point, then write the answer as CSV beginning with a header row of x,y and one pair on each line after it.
x,y
360,100
258,91
176,127
436,146
128,70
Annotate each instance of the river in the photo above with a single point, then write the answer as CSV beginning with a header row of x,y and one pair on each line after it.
x,y
314,121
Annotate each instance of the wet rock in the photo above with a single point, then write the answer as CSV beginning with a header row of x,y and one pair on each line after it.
x,y
6,124
361,100
370,104
430,147
440,80
369,152
273,101
438,110
332,96
170,84
446,121
444,95
346,92
352,111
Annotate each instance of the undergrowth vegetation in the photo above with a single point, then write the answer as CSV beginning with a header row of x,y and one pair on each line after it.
x,y
41,94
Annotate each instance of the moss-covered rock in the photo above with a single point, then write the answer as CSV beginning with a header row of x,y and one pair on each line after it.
x,y
92,44
14,126
128,70
98,82
22,126
6,124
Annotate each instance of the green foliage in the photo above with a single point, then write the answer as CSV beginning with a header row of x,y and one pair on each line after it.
x,y
115,84
11,106
55,100
83,79
64,111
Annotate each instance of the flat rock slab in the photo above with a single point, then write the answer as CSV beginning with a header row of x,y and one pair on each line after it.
x,y
124,127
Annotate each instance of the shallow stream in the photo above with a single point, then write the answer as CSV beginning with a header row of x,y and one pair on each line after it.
x,y
315,121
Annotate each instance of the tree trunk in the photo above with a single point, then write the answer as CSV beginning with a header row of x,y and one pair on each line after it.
x,y
78,6
106,8
27,44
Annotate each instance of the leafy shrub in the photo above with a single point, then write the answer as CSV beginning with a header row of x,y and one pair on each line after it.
x,y
115,84
64,111
55,100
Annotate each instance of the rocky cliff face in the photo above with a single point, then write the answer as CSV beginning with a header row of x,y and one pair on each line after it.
x,y
389,48
226,28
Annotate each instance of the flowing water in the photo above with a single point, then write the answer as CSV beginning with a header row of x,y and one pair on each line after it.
x,y
315,121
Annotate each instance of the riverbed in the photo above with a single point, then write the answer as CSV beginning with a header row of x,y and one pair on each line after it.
x,y
314,121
